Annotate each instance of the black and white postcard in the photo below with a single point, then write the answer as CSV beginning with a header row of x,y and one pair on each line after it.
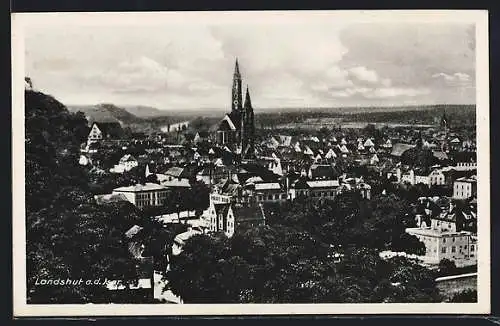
x,y
228,163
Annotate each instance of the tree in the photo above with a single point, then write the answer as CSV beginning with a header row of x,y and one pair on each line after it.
x,y
277,264
447,267
68,236
408,243
418,157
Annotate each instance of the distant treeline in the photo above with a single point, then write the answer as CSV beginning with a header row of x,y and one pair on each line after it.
x,y
456,114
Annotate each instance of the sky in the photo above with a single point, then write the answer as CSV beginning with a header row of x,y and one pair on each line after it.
x,y
189,63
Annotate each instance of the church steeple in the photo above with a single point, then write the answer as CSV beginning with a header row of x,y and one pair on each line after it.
x,y
237,69
248,102
237,104
248,127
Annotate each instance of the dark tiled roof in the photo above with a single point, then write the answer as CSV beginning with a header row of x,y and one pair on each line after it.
x,y
110,129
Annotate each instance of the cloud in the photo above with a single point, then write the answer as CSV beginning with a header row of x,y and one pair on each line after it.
x,y
363,74
458,76
378,93
389,92
284,64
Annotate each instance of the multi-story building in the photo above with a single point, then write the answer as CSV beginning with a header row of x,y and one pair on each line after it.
x,y
144,195
313,189
465,188
226,216
221,218
445,238
269,192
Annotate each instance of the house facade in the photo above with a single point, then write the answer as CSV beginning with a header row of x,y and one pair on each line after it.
x,y
220,217
144,195
100,131
465,188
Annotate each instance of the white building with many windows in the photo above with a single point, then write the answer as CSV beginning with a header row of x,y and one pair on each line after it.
x,y
465,188
144,195
444,239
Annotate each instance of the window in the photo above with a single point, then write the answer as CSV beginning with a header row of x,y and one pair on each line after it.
x,y
465,247
453,249
444,240
452,239
472,247
443,250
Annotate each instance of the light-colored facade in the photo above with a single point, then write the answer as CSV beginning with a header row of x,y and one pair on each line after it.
x,y
269,192
95,134
437,177
465,188
220,218
144,195
443,241
314,189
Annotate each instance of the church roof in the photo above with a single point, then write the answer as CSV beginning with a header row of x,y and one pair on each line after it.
x,y
231,121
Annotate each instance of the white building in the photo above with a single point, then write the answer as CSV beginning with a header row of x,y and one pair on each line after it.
x,y
144,195
220,218
443,240
314,189
465,188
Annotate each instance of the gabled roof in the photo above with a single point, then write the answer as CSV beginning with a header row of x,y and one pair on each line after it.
x,y
368,143
330,154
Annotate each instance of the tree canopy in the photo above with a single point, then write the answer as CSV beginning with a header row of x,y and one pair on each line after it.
x,y
68,235
310,251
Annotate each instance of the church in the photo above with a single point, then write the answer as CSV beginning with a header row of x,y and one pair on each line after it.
x,y
236,130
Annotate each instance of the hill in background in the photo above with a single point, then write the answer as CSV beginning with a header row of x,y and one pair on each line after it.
x,y
105,113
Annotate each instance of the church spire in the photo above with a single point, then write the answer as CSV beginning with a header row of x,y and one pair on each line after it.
x,y
236,104
248,128
237,69
248,102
